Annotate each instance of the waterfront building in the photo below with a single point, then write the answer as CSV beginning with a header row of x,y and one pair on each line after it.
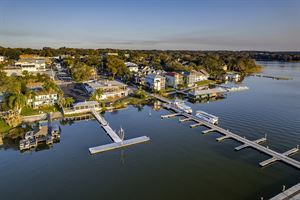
x,y
155,82
111,88
232,77
86,105
173,79
206,93
43,98
193,77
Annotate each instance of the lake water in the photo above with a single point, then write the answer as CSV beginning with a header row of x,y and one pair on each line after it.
x,y
178,162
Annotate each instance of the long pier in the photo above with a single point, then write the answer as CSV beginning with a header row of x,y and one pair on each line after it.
x,y
292,193
118,142
275,156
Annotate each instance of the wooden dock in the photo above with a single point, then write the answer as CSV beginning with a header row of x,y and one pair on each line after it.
x,y
292,193
275,156
118,142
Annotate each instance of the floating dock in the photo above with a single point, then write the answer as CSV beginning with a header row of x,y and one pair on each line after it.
x,y
117,145
118,142
275,156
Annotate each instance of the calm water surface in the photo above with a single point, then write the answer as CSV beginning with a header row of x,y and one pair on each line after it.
x,y
178,162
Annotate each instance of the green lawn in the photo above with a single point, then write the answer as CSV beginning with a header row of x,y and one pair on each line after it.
x,y
204,82
26,111
4,127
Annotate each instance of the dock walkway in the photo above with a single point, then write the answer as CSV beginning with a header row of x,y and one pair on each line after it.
x,y
275,156
292,193
112,134
254,144
117,141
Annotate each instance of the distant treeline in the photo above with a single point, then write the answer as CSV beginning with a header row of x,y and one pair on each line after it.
x,y
276,56
14,53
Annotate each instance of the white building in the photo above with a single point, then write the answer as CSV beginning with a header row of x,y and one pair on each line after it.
x,y
111,89
32,64
43,99
194,76
132,67
2,58
155,82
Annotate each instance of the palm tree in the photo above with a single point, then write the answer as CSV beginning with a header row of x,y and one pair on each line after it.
x,y
69,101
16,101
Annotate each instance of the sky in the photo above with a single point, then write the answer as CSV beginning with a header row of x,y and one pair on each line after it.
x,y
272,25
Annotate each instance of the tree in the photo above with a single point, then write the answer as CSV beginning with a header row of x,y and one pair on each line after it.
x,y
141,94
66,102
81,72
97,94
69,101
116,66
16,101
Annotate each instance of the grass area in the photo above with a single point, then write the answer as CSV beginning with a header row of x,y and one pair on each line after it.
x,y
26,111
4,128
205,82
131,101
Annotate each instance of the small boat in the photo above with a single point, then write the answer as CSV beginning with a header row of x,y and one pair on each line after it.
x,y
207,117
121,133
182,106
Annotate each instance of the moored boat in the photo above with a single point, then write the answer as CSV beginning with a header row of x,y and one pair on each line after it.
x,y
207,117
182,106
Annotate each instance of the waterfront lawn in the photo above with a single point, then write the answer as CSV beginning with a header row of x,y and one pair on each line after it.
x,y
4,127
205,82
122,103
27,111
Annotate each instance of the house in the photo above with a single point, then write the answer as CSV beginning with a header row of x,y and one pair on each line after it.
x,y
155,82
2,59
132,67
111,54
111,89
145,70
233,77
34,86
194,76
31,63
173,79
86,105
43,98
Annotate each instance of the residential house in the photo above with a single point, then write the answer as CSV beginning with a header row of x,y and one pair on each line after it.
x,y
2,59
194,76
132,67
111,54
43,98
31,63
155,82
233,77
111,89
143,71
173,79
